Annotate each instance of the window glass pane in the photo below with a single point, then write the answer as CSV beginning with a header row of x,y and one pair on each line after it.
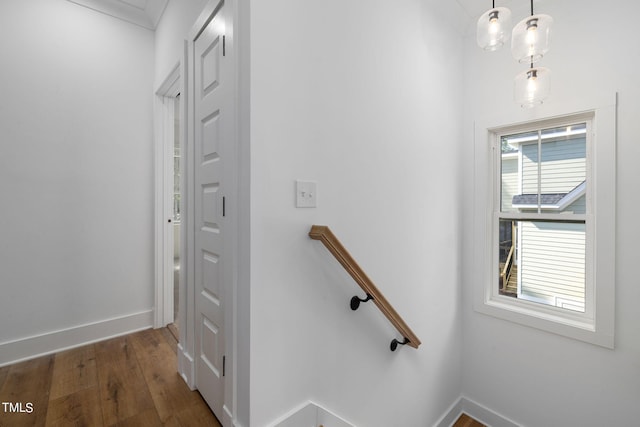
x,y
545,171
514,141
508,274
529,178
543,262
562,163
509,176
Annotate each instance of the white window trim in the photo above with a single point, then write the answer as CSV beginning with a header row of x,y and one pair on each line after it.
x,y
597,325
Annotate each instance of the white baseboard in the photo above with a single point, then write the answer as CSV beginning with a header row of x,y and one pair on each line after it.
x,y
451,416
64,339
227,417
485,415
474,410
310,413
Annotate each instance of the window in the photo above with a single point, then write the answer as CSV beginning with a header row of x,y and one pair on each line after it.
x,y
550,196
541,215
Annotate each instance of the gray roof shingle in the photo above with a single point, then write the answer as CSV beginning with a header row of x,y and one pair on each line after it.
x,y
532,199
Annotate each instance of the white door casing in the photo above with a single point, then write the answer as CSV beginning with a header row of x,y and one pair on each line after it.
x,y
213,165
164,176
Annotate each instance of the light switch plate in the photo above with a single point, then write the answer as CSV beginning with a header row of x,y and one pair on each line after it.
x,y
306,194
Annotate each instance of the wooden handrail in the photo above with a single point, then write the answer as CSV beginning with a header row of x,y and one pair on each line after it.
x,y
324,234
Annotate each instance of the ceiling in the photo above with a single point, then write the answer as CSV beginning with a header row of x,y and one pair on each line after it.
x,y
145,13
463,14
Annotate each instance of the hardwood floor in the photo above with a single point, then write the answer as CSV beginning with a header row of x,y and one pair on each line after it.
x,y
125,381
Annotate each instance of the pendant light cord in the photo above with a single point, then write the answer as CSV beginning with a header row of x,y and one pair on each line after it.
x,y
531,7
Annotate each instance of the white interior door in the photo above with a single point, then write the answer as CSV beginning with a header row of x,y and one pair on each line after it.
x,y
212,144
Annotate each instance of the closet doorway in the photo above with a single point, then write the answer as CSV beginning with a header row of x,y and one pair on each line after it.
x,y
169,203
176,220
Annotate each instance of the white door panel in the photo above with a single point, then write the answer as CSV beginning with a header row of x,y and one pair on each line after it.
x,y
213,140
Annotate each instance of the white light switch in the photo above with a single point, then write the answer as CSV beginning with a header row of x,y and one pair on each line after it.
x,y
306,194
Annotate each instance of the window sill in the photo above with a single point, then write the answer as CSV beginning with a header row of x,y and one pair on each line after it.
x,y
544,318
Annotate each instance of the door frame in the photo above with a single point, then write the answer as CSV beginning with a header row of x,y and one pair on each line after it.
x,y
175,83
164,108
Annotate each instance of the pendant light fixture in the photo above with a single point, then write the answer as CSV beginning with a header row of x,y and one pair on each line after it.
x,y
531,87
493,28
529,42
530,38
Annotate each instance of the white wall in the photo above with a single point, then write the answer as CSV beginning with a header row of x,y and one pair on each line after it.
x,y
532,377
76,227
365,99
177,19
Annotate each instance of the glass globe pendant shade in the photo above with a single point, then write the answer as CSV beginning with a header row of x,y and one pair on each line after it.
x,y
493,28
532,87
530,39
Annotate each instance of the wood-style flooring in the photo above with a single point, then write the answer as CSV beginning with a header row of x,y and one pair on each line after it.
x,y
125,381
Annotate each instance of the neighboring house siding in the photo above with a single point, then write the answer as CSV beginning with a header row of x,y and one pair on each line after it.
x,y
552,263
563,166
509,181
552,255
577,207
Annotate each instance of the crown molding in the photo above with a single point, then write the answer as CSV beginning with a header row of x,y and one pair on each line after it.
x,y
145,13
